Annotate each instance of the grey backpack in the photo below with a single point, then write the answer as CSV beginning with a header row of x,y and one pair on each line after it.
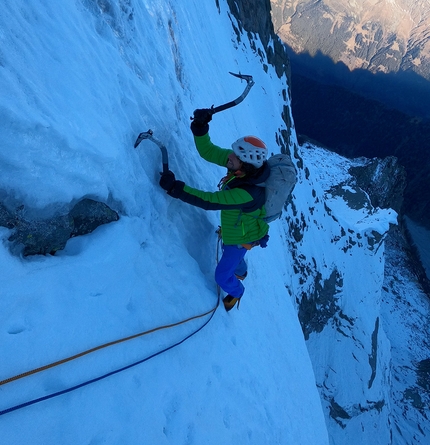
x,y
279,185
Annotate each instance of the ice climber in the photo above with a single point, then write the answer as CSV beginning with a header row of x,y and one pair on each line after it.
x,y
240,198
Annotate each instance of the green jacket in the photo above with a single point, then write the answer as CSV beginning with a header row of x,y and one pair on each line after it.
x,y
240,200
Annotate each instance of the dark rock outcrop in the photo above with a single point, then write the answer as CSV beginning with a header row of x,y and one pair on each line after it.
x,y
320,307
384,180
43,236
87,215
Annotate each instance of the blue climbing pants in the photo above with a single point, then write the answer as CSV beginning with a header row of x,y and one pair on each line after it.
x,y
232,262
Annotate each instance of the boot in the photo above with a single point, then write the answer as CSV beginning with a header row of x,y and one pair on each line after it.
x,y
229,302
241,277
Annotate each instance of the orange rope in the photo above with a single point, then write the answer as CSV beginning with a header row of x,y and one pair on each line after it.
x,y
97,348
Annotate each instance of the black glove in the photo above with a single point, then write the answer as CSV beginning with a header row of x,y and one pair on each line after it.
x,y
202,117
264,241
167,180
173,187
177,189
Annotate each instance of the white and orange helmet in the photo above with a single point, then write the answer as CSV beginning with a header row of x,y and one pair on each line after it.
x,y
250,149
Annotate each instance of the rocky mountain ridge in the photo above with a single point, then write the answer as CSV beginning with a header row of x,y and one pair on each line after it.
x,y
377,48
377,35
370,61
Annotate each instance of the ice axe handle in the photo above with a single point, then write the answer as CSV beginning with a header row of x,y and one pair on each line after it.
x,y
164,156
165,167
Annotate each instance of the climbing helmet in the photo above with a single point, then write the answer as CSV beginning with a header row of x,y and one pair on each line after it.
x,y
250,149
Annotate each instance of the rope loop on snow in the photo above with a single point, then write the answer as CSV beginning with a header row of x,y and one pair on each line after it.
x,y
65,391
98,348
106,345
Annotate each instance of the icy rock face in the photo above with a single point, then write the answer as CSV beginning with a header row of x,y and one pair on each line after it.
x,y
384,180
359,299
42,236
405,312
255,18
373,184
337,245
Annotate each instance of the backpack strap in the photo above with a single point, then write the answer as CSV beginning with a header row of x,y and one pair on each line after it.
x,y
258,194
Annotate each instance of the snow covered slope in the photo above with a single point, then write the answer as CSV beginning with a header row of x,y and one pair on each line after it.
x,y
360,304
80,81
338,253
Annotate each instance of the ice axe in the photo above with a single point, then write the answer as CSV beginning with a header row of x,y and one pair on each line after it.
x,y
149,134
249,84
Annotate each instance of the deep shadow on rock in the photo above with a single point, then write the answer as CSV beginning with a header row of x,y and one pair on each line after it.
x,y
384,180
40,237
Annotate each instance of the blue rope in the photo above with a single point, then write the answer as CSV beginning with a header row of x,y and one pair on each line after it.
x,y
89,382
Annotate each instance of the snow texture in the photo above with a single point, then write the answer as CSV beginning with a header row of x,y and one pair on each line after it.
x,y
79,82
